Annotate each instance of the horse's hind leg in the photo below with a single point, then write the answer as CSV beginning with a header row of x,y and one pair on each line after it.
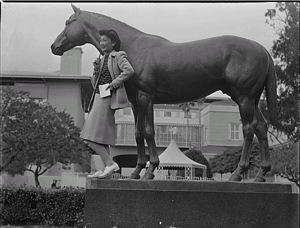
x,y
140,141
247,111
261,133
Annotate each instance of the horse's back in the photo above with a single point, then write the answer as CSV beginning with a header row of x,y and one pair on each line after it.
x,y
178,72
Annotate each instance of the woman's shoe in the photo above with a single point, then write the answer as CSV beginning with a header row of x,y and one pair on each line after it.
x,y
96,174
109,170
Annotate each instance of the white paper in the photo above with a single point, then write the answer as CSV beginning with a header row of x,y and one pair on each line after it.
x,y
102,90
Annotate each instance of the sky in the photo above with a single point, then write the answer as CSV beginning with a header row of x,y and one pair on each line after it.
x,y
29,29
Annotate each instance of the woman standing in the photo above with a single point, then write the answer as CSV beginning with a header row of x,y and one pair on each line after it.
x,y
111,72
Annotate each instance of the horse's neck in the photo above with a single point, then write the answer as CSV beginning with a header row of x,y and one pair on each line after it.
x,y
98,21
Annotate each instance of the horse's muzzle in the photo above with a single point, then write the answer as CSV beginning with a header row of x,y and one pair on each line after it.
x,y
56,50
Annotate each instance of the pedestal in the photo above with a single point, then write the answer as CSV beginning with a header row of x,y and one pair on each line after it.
x,y
190,204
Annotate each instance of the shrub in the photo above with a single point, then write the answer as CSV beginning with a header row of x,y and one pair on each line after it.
x,y
36,206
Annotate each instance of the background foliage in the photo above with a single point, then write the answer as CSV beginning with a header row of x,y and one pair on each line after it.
x,y
227,161
35,206
197,156
35,136
285,161
285,51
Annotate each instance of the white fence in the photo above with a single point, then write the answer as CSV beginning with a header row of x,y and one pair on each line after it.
x,y
73,179
65,180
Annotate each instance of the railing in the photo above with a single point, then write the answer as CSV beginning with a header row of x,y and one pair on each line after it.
x,y
117,176
164,134
184,178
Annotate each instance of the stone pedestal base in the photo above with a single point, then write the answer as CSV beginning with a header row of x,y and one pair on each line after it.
x,y
190,204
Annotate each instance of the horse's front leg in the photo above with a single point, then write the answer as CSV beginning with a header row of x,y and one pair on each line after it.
x,y
145,105
140,142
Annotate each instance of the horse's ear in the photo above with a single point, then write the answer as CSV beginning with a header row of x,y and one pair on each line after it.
x,y
75,8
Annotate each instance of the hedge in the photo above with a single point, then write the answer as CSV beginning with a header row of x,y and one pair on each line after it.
x,y
36,206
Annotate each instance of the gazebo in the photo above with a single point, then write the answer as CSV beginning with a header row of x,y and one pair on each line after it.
x,y
172,157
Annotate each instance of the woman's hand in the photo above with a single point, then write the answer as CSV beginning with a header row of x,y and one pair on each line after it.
x,y
113,86
96,63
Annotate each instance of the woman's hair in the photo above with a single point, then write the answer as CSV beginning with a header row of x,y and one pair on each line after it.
x,y
112,34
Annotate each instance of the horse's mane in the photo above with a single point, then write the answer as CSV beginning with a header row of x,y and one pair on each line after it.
x,y
99,15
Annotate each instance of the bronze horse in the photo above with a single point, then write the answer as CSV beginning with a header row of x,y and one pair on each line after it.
x,y
167,72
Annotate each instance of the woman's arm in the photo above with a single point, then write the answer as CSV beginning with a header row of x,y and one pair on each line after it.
x,y
125,67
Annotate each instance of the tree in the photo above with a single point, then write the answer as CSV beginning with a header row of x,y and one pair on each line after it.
x,y
186,107
227,161
35,136
285,50
197,156
285,19
285,161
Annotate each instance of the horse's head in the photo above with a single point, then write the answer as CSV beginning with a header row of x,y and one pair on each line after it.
x,y
74,34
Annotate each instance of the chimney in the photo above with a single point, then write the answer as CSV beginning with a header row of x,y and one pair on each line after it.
x,y
71,62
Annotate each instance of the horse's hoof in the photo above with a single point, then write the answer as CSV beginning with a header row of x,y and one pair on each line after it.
x,y
148,176
259,179
135,176
235,178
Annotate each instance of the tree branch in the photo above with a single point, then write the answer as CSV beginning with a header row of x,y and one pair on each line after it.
x,y
30,170
45,170
275,137
2,167
291,176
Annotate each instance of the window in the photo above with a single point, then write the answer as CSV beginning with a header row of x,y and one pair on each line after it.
x,y
125,134
119,112
165,133
187,115
234,131
205,134
127,111
36,90
167,114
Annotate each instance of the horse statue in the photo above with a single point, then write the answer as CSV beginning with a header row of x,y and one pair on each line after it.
x,y
169,73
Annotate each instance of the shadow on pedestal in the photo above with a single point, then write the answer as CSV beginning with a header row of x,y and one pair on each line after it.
x,y
190,204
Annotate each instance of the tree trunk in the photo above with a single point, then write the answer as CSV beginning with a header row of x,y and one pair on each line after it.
x,y
200,103
298,143
188,131
36,178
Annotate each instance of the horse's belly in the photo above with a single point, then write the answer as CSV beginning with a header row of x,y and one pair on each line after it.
x,y
185,94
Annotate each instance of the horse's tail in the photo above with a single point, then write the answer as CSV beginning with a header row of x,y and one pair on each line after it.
x,y
271,91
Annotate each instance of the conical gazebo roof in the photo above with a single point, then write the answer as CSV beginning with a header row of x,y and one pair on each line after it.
x,y
173,157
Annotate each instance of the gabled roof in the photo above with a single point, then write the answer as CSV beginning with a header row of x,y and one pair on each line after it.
x,y
38,76
173,157
227,102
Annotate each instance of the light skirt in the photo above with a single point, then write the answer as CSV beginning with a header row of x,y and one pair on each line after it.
x,y
100,124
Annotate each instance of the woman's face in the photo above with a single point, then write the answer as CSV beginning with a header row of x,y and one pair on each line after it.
x,y
106,44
